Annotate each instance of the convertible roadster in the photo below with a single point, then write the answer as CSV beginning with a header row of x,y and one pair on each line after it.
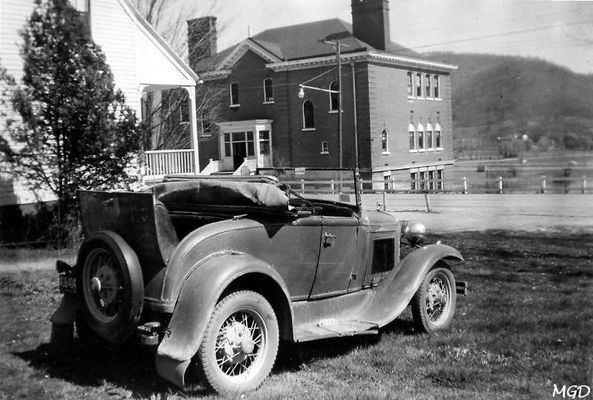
x,y
215,271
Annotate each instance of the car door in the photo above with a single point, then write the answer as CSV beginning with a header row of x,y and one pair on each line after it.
x,y
339,257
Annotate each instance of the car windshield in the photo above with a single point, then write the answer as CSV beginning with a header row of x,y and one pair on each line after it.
x,y
316,183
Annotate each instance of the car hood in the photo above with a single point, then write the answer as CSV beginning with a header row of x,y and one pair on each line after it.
x,y
380,221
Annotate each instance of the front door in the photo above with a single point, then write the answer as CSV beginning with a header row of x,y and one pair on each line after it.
x,y
239,154
339,257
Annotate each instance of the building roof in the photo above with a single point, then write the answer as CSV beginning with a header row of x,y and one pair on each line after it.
x,y
301,41
302,46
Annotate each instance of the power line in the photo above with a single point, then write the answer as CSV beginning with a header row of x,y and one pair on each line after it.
x,y
500,34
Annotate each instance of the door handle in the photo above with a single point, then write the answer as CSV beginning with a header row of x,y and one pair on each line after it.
x,y
327,239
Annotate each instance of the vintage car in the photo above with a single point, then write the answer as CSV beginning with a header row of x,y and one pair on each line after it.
x,y
215,271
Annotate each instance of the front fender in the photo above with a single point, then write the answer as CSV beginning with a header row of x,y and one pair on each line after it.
x,y
195,304
394,293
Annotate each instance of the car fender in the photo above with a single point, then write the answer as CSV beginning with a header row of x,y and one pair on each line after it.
x,y
394,293
195,304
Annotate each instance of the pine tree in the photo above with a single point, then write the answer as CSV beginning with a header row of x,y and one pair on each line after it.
x,y
77,132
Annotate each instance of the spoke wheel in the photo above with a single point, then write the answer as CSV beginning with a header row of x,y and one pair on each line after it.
x,y
240,343
110,288
433,305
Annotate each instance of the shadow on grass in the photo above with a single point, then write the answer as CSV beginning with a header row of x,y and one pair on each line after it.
x,y
292,356
128,367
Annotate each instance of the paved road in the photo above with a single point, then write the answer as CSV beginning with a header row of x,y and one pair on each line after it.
x,y
527,212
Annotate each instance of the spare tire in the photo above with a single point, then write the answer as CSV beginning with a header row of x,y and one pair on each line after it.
x,y
110,286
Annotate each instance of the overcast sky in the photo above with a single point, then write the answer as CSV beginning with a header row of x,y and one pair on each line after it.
x,y
558,31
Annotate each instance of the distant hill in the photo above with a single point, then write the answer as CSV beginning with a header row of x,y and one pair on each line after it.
x,y
500,99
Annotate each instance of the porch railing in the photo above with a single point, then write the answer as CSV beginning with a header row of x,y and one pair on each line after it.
x,y
169,162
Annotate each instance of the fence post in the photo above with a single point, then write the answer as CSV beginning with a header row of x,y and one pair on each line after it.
x,y
428,208
464,185
302,186
500,184
544,184
584,184
333,185
384,201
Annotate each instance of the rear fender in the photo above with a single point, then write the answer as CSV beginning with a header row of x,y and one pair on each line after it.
x,y
195,304
394,293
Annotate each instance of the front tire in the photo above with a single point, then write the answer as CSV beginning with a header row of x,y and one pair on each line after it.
x,y
433,305
240,343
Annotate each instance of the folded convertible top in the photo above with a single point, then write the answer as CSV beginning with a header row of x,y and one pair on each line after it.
x,y
220,192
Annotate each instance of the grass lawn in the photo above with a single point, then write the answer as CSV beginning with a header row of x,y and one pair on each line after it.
x,y
525,326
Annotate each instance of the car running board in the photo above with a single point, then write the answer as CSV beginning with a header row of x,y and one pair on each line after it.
x,y
328,328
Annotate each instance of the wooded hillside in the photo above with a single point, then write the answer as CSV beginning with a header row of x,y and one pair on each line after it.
x,y
499,99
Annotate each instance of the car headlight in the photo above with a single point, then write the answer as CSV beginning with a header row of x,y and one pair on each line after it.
x,y
414,232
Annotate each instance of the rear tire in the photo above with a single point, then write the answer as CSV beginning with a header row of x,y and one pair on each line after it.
x,y
433,305
110,287
240,343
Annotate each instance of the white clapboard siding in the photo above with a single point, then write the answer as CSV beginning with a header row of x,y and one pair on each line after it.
x,y
114,30
13,15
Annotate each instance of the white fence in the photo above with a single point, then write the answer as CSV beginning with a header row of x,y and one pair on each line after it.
x,y
168,162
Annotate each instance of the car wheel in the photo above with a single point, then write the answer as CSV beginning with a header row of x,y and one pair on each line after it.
x,y
110,288
240,343
433,305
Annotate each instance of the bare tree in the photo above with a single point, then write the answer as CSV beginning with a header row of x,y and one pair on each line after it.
x,y
166,111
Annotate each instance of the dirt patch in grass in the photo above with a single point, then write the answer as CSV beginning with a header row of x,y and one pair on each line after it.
x,y
524,327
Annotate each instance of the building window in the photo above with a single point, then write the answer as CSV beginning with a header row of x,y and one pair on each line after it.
x,y
431,180
264,143
438,137
206,123
268,91
184,109
412,136
418,85
410,84
384,141
241,140
440,176
428,137
324,148
308,115
420,135
234,94
437,94
428,88
413,180
334,98
422,180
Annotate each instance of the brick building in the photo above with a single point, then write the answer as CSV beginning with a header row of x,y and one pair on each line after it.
x,y
398,101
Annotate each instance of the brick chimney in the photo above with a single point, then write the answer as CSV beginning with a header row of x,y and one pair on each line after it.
x,y
201,39
370,22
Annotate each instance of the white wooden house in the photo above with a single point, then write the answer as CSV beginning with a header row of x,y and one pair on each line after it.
x,y
141,62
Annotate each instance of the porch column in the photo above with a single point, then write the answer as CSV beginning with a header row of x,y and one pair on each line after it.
x,y
191,90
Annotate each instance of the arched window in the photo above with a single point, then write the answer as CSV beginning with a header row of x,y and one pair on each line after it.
x,y
429,137
437,93
334,98
324,147
438,137
420,134
308,115
428,91
268,91
412,136
384,141
234,92
418,84
410,84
